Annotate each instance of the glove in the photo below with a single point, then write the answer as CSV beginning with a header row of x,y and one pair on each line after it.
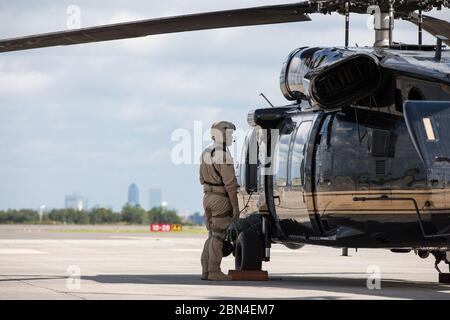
x,y
235,204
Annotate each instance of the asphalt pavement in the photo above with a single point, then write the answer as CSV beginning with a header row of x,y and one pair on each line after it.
x,y
129,262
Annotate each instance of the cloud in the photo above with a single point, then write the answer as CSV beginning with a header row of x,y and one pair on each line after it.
x,y
92,118
162,114
23,83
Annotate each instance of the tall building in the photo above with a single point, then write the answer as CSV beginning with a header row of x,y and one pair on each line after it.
x,y
133,195
76,201
155,198
196,218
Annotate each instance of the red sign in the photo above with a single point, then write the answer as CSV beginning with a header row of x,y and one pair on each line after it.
x,y
164,227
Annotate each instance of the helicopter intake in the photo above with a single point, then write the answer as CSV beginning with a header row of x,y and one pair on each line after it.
x,y
330,77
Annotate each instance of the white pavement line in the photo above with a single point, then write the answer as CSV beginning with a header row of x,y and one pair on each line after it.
x,y
134,238
100,242
20,251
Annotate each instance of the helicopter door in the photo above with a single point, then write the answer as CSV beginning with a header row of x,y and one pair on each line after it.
x,y
428,124
322,178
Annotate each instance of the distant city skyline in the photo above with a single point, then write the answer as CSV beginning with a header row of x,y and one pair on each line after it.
x,y
196,218
78,201
133,195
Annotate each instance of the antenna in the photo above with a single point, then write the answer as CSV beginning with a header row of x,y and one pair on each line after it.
x,y
391,20
347,23
420,28
262,95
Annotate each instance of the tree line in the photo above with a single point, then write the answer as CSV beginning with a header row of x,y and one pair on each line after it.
x,y
128,215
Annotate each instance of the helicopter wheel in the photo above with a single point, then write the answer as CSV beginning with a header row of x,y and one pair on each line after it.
x,y
248,251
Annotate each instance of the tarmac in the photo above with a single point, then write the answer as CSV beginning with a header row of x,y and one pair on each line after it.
x,y
109,262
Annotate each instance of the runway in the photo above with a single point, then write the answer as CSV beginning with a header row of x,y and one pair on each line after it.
x,y
43,262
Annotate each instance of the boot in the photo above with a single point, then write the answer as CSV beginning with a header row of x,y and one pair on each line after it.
x,y
205,276
218,276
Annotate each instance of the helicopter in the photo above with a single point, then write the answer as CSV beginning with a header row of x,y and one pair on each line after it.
x,y
358,158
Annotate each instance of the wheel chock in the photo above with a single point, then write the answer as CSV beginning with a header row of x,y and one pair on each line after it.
x,y
248,275
444,278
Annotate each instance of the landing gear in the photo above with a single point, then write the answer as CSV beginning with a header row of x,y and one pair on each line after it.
x,y
249,251
251,239
442,256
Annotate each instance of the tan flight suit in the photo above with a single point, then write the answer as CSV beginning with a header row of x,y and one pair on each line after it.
x,y
218,179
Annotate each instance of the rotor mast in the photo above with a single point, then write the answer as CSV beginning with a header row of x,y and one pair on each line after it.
x,y
384,26
382,30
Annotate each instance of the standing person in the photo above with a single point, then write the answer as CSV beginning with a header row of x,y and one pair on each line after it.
x,y
220,200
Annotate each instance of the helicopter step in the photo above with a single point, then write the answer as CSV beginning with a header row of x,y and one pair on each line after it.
x,y
249,275
440,256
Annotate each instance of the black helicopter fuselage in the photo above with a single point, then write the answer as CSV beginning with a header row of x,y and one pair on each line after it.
x,y
351,177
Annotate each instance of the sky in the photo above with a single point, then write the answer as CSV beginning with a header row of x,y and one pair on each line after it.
x,y
92,119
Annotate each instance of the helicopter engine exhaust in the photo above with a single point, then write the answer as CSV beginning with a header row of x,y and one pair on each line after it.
x,y
331,78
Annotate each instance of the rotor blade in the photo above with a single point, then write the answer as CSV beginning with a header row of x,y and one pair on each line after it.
x,y
200,21
433,26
